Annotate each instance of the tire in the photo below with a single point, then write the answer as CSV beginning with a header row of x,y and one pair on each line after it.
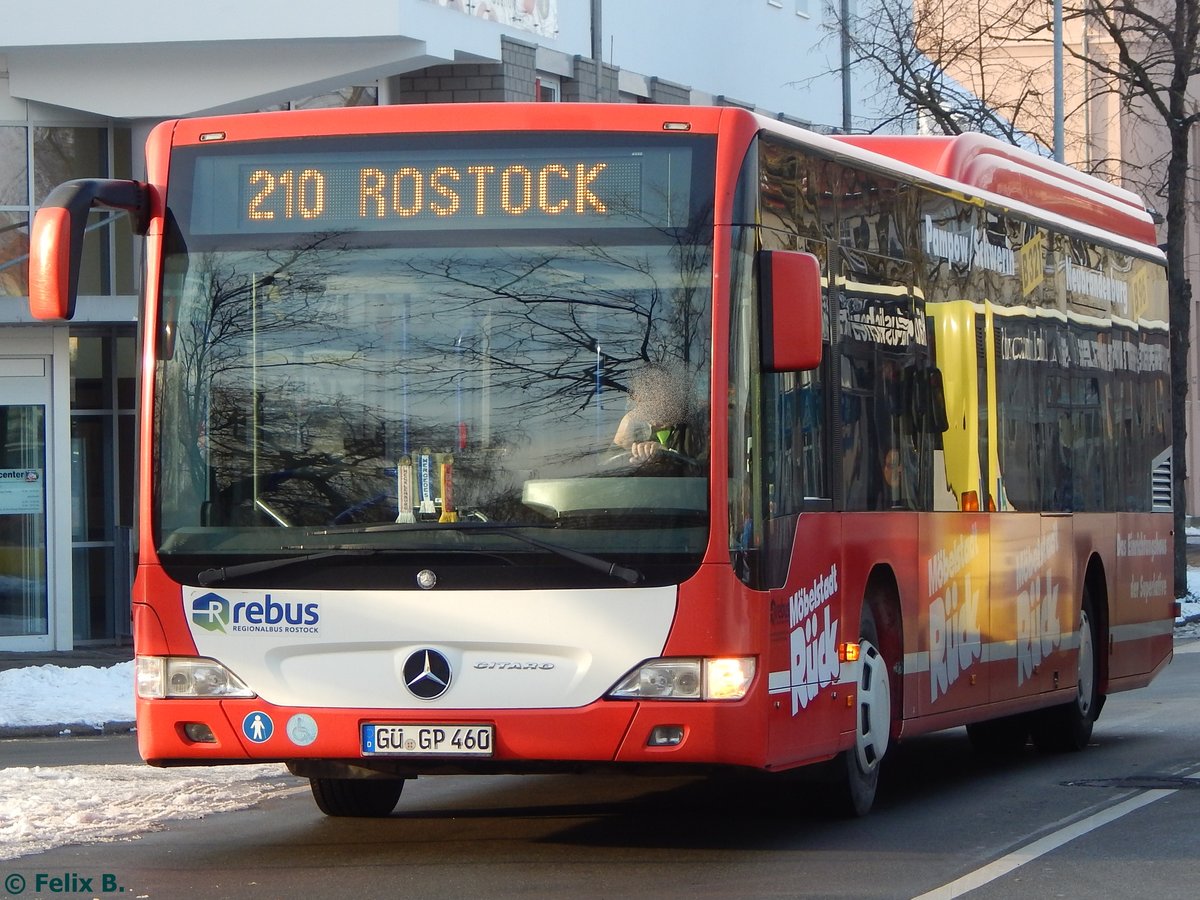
x,y
1068,728
357,797
857,769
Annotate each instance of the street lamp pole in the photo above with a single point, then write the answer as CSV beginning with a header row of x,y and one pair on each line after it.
x,y
845,17
1058,82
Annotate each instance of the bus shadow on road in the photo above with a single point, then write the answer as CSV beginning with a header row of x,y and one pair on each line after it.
x,y
757,810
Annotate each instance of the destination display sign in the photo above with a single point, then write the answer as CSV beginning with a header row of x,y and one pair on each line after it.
x,y
398,190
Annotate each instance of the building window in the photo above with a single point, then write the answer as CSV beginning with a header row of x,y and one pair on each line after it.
x,y
103,389
24,600
62,153
343,97
548,89
349,96
14,210
33,160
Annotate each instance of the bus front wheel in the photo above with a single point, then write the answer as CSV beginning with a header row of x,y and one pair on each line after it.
x,y
857,769
357,797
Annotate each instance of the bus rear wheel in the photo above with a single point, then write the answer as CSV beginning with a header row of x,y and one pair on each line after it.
x,y
1068,727
357,797
857,769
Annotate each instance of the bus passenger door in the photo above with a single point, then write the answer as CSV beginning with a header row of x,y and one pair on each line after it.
x,y
1032,609
807,683
801,560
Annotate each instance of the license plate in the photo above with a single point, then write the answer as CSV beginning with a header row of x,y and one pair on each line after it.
x,y
426,740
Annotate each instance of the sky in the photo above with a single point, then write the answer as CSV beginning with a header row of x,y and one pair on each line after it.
x,y
42,807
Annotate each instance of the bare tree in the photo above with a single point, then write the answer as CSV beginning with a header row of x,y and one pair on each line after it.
x,y
957,66
1153,56
1139,57
938,77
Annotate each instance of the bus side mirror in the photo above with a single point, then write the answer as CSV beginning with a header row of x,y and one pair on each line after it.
x,y
790,310
56,239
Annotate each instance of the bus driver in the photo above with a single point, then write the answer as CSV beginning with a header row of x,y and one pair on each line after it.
x,y
656,424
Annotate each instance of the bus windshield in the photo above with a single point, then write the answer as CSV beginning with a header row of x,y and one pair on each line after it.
x,y
355,357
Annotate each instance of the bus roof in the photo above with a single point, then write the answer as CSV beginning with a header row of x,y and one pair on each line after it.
x,y
971,163
450,117
985,163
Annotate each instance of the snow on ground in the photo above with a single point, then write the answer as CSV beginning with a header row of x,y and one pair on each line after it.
x,y
1187,626
50,695
46,807
43,807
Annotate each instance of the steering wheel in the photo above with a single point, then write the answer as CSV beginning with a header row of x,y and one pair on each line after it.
x,y
236,500
624,458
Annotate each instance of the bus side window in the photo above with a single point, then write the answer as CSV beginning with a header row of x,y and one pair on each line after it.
x,y
798,471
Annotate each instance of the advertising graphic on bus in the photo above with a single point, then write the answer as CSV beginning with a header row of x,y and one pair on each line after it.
x,y
546,438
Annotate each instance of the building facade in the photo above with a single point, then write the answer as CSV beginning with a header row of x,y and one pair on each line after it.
x,y
82,84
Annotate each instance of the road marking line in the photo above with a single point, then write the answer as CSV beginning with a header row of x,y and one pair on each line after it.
x,y
1041,847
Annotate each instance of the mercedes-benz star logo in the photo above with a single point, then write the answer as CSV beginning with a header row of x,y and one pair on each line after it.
x,y
427,674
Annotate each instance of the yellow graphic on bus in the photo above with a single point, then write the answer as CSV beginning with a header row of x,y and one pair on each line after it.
x,y
1031,263
966,358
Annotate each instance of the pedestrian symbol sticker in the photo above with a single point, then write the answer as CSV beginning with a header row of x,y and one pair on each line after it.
x,y
257,726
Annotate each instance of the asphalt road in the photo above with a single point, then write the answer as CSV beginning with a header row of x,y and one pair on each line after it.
x,y
1115,820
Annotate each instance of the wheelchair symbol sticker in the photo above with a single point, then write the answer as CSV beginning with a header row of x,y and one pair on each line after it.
x,y
302,729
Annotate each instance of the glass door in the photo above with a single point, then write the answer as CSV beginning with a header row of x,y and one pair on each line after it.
x,y
24,606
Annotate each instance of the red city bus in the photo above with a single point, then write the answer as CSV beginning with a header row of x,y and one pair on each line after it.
x,y
542,438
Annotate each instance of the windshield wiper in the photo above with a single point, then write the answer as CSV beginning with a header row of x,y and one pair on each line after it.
x,y
612,569
624,573
216,576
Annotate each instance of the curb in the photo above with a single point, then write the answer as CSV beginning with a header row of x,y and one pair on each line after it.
x,y
66,730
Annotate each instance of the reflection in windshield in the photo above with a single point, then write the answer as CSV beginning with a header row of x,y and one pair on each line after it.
x,y
327,385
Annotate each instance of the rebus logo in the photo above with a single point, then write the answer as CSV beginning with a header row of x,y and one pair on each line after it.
x,y
212,612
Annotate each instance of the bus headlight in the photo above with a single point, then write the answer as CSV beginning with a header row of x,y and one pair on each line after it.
x,y
717,678
728,678
161,677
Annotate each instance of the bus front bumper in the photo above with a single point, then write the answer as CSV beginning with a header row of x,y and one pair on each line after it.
x,y
182,732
